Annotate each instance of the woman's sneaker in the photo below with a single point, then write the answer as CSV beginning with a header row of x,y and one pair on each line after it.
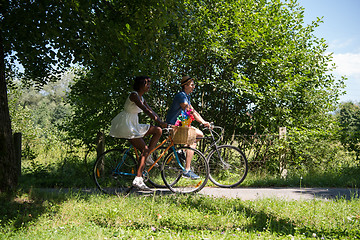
x,y
139,183
190,174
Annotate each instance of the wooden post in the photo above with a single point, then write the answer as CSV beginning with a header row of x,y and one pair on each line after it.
x,y
100,143
100,148
282,165
17,146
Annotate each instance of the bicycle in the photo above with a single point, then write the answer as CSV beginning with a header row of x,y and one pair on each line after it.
x,y
115,169
227,164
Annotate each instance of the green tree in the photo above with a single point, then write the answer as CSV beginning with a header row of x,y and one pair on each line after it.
x,y
46,36
38,114
349,119
249,58
42,36
258,57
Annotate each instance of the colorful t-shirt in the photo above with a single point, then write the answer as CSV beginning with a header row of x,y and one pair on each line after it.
x,y
175,108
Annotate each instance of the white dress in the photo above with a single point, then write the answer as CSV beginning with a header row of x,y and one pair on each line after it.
x,y
126,123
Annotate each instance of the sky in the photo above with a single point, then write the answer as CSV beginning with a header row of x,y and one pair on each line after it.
x,y
341,30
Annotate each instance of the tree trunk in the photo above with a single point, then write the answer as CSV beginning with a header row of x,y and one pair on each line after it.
x,y
8,166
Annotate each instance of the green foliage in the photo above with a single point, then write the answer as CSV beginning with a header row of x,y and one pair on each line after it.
x,y
48,159
249,58
348,117
313,149
21,116
257,57
45,38
129,39
38,115
42,36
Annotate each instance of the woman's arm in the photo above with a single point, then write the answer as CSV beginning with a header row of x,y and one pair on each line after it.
x,y
146,108
152,111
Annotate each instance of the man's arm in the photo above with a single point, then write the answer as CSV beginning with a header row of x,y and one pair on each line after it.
x,y
186,107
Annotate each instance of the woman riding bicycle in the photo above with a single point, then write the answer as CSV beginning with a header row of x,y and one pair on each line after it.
x,y
126,125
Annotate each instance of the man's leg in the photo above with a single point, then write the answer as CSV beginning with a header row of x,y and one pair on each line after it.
x,y
189,153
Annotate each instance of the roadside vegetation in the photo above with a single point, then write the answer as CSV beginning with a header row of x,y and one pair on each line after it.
x,y
35,212
52,158
257,68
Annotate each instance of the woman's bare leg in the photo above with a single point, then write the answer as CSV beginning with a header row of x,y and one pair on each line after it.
x,y
156,132
140,144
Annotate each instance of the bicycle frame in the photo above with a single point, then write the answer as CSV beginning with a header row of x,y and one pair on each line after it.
x,y
214,142
171,145
115,168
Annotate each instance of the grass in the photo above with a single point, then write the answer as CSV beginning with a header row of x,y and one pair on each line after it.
x,y
57,170
33,213
37,214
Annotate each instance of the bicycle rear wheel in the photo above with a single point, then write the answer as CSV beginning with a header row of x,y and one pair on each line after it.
x,y
228,166
114,171
172,171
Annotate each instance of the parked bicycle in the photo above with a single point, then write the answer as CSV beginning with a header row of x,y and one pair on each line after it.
x,y
227,164
115,169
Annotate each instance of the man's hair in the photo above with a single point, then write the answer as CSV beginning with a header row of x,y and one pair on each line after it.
x,y
183,86
139,82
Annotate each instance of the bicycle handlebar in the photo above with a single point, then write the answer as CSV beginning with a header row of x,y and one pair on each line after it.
x,y
212,126
168,129
215,133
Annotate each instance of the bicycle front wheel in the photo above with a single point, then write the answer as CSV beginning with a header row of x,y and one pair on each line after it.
x,y
173,168
228,166
114,171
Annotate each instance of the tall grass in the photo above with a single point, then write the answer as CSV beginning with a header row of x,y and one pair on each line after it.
x,y
61,168
42,215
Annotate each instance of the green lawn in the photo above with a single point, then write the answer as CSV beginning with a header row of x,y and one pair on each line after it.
x,y
35,214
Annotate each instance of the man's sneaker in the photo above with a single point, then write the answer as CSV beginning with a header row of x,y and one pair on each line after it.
x,y
139,183
190,174
150,161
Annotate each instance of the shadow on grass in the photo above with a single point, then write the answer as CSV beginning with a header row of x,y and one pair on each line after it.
x,y
23,207
331,193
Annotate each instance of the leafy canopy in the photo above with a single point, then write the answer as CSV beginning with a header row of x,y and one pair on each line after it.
x,y
256,65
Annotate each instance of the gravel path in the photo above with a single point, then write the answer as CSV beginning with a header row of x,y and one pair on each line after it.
x,y
252,193
284,193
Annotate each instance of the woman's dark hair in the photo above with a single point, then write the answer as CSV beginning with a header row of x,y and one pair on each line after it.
x,y
139,82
